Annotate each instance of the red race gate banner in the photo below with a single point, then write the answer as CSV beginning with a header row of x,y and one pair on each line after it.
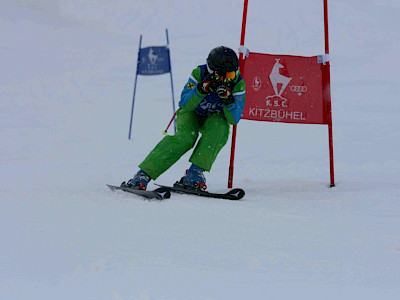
x,y
284,88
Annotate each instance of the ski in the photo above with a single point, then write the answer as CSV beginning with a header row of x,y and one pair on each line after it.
x,y
159,194
234,194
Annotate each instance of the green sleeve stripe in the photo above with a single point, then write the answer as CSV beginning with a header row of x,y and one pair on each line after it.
x,y
196,75
229,116
194,79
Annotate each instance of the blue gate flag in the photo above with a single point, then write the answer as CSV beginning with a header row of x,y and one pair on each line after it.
x,y
153,61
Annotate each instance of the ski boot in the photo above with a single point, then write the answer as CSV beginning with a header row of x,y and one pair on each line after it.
x,y
194,178
139,181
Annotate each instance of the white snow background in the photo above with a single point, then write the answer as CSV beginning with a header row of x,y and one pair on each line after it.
x,y
66,80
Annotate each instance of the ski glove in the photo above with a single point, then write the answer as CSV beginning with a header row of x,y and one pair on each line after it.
x,y
209,84
225,94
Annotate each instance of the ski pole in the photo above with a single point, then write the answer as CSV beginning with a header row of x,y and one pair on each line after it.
x,y
169,124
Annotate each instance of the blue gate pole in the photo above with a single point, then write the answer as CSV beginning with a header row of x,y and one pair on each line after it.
x,y
134,90
172,84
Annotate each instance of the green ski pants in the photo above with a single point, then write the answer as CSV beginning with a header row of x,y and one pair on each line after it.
x,y
214,135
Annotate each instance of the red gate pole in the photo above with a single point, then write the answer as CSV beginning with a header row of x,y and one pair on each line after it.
x,y
241,66
328,95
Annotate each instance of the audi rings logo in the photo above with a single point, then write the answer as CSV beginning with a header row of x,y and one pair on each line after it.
x,y
299,89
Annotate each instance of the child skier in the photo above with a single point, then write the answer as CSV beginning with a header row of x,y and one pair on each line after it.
x,y
213,98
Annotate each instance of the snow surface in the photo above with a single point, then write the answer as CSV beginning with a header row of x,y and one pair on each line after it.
x,y
66,82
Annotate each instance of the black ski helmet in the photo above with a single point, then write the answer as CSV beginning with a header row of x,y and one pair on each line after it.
x,y
223,59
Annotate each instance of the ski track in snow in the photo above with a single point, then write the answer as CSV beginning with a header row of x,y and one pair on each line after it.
x,y
66,81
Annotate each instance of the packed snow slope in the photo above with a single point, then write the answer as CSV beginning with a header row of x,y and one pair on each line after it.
x,y
66,80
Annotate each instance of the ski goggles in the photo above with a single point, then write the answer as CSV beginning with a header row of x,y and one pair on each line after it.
x,y
230,75
223,75
226,75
